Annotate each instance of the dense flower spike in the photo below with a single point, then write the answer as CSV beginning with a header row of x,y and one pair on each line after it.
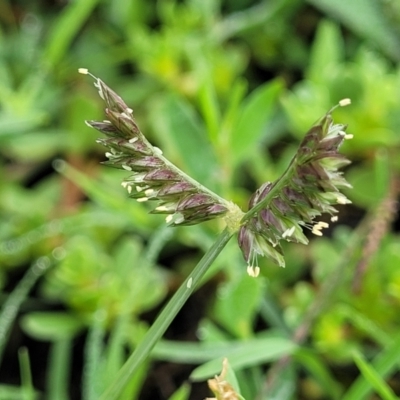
x,y
278,211
309,187
153,177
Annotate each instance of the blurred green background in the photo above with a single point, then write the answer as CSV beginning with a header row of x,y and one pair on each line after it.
x,y
227,89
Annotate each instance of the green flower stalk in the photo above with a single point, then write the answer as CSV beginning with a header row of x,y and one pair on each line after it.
x,y
183,200
278,211
309,188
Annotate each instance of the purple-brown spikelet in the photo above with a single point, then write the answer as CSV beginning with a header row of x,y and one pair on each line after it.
x,y
309,188
153,177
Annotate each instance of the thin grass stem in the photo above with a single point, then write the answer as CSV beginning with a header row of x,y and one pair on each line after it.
x,y
165,318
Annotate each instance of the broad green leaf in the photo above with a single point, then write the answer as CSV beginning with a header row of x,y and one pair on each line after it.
x,y
237,304
108,194
11,125
367,19
210,108
253,120
51,326
36,146
284,385
364,192
8,392
183,138
247,353
326,53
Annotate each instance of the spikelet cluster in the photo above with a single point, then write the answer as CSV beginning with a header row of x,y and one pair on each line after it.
x,y
309,188
153,177
311,185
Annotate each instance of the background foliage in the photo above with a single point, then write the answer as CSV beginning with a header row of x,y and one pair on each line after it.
x,y
227,89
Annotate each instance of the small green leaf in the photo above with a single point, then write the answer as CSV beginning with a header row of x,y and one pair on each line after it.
x,y
11,125
383,364
318,369
210,108
65,27
184,139
366,18
182,393
248,353
326,52
237,305
253,120
51,326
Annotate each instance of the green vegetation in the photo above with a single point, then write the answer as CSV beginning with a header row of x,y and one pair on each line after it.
x,y
102,300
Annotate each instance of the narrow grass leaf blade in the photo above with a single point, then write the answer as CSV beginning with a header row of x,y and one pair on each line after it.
x,y
367,19
182,393
210,109
374,378
253,120
283,386
250,353
184,138
312,362
94,348
165,318
65,29
384,364
326,53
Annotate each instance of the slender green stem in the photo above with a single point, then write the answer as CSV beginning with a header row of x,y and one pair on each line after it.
x,y
58,373
94,348
165,318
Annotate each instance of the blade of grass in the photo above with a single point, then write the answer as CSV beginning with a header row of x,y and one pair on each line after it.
x,y
65,28
164,319
374,378
318,369
100,193
193,352
384,364
19,294
270,312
